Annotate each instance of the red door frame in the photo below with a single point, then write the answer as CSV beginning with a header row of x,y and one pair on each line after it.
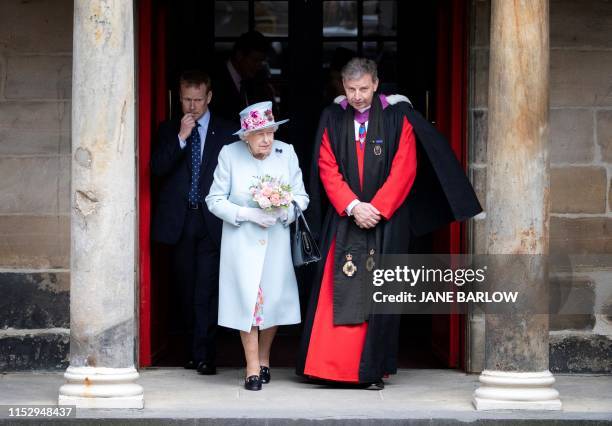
x,y
451,118
152,110
145,126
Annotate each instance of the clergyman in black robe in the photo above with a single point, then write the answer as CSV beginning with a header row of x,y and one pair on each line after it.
x,y
369,196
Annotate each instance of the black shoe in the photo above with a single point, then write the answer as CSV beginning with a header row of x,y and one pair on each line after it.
x,y
190,365
379,385
207,368
252,383
264,374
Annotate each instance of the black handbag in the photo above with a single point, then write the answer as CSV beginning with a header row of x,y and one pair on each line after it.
x,y
304,250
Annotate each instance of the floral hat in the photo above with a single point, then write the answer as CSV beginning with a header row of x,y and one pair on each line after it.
x,y
257,117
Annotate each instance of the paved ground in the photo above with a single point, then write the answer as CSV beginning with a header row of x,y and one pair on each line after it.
x,y
179,396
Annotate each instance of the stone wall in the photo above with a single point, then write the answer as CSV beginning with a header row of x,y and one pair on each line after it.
x,y
35,86
581,167
35,114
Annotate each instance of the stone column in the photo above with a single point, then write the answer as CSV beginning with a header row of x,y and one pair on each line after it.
x,y
516,374
102,290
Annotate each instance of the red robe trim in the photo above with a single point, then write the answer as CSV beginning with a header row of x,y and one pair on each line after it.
x,y
334,351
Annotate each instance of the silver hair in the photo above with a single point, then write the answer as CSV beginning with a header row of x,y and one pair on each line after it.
x,y
243,136
357,67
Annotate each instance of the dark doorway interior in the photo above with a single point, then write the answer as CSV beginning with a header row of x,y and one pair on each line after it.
x,y
307,38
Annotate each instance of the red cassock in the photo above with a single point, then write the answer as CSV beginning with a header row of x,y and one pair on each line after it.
x,y
334,351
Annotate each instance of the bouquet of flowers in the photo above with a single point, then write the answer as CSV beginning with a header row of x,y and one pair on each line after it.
x,y
270,193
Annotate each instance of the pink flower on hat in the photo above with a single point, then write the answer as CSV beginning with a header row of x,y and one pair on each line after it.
x,y
257,116
254,121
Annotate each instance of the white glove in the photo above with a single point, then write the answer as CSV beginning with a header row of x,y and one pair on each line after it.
x,y
282,214
257,216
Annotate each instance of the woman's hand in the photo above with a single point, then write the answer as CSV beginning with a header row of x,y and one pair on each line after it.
x,y
257,216
282,214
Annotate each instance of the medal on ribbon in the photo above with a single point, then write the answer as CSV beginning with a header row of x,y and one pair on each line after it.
x,y
370,261
349,267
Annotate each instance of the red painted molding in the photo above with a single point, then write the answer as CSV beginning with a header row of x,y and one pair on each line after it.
x,y
144,105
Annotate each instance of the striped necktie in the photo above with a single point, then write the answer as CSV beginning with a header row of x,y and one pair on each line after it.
x,y
362,134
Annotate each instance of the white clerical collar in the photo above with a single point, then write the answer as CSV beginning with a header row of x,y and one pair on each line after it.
x,y
234,74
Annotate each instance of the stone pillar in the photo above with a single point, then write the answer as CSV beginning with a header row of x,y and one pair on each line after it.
x,y
102,290
516,374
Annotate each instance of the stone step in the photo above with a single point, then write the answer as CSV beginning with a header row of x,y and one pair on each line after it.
x,y
174,396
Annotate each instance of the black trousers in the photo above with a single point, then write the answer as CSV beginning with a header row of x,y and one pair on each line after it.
x,y
196,265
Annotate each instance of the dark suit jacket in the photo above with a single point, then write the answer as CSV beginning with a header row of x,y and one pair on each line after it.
x,y
227,101
172,164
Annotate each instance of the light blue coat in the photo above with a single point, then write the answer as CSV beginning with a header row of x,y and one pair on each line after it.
x,y
251,255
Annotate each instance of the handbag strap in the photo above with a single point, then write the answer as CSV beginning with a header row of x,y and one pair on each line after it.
x,y
300,215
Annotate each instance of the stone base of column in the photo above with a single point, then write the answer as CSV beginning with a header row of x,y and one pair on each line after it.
x,y
503,390
101,387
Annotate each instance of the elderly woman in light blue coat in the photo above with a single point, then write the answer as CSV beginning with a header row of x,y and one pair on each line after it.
x,y
257,284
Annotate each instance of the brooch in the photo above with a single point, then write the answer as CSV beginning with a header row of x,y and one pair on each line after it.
x,y
377,146
349,267
278,150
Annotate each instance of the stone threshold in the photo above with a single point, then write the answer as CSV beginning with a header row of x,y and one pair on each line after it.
x,y
413,397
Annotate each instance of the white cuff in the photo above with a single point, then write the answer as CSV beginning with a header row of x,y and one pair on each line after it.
x,y
182,143
240,216
352,204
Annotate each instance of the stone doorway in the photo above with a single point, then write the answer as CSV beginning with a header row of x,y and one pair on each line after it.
x,y
436,41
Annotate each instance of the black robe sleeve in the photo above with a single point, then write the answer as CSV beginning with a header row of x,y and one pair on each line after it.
x,y
441,192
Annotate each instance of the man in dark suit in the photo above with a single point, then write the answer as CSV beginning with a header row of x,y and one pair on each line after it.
x,y
185,158
243,80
